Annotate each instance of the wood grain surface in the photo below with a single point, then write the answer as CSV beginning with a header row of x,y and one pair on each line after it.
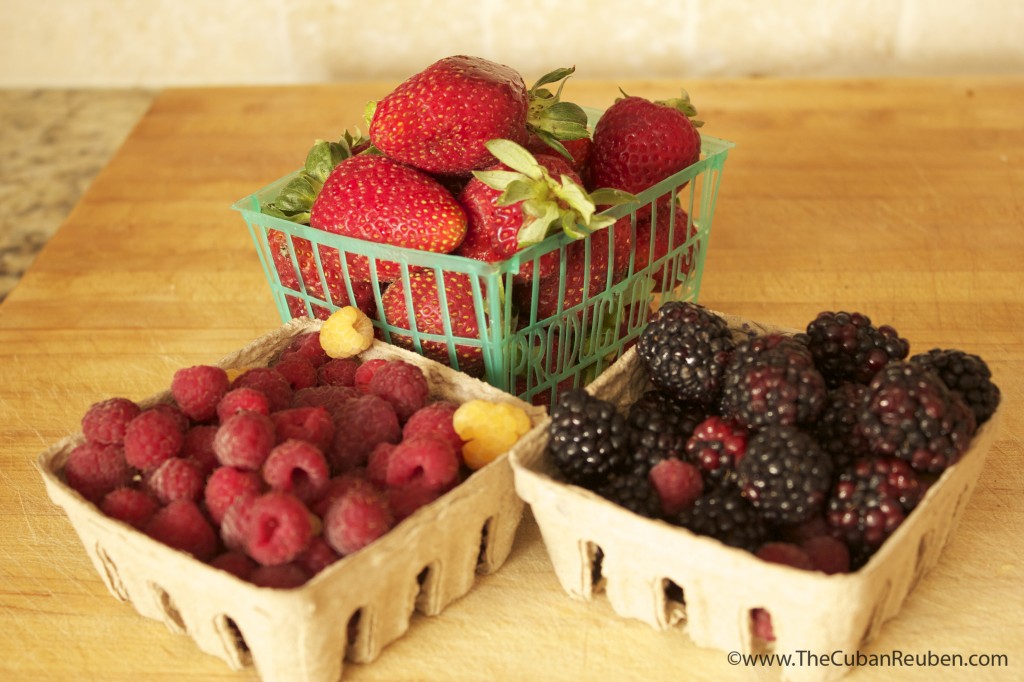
x,y
903,199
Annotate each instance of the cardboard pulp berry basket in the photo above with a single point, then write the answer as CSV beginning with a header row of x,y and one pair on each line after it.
x,y
349,611
524,353
669,577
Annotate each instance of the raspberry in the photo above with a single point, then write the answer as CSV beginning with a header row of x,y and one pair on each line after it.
x,y
130,505
244,440
365,373
403,385
152,438
318,556
332,398
435,420
347,332
423,459
95,469
227,485
298,371
965,374
405,500
377,464
785,474
242,399
785,553
279,577
847,347
197,390
106,421
827,554
356,519
677,483
235,524
489,429
297,467
308,346
588,438
270,382
279,528
761,625
176,479
685,348
234,562
182,526
311,424
338,372
338,486
364,423
716,448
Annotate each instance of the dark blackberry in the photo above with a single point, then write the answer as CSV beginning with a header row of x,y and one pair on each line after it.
x,y
715,448
785,474
965,374
685,348
847,347
723,514
910,414
632,492
658,428
869,501
771,380
837,427
588,438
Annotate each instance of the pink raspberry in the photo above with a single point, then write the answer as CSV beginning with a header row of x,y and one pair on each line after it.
x,y
359,428
106,421
235,524
279,528
403,384
181,525
338,372
425,460
761,625
130,505
785,553
365,373
338,486
244,440
308,346
227,485
234,562
152,438
318,556
270,382
94,469
827,554
279,577
198,389
311,424
175,413
406,499
198,448
298,370
243,399
377,464
435,420
813,527
297,467
356,519
333,398
176,479
677,483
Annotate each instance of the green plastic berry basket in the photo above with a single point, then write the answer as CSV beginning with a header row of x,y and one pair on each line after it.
x,y
519,350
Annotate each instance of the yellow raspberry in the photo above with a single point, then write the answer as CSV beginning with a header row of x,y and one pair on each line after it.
x,y
347,332
488,429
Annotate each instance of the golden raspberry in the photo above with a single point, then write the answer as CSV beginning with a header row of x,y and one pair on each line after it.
x,y
347,332
489,429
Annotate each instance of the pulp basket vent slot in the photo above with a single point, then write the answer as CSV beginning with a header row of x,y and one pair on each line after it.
x,y
353,631
234,642
595,557
762,632
172,617
112,576
425,582
483,562
675,602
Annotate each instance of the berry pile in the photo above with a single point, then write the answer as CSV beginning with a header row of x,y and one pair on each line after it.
x,y
496,167
273,473
807,449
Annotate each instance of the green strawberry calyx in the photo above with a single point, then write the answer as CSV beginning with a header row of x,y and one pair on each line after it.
x,y
551,119
681,103
549,204
294,201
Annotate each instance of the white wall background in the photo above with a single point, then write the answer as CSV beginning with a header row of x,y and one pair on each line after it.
x,y
156,43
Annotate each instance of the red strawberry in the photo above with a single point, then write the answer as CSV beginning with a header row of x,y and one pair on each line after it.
x,y
648,250
430,317
638,143
440,119
380,200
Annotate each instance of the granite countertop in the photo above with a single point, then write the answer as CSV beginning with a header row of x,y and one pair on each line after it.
x,y
53,143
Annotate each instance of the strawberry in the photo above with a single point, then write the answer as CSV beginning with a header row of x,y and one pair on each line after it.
x,y
638,143
430,317
440,119
378,199
649,250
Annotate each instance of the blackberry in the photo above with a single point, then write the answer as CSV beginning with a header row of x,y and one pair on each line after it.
x,y
965,374
685,348
632,492
715,448
785,474
869,501
837,428
588,438
847,347
771,379
723,514
910,414
658,430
